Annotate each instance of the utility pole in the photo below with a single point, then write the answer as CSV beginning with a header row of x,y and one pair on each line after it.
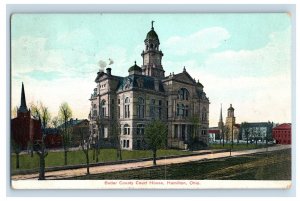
x,y
231,139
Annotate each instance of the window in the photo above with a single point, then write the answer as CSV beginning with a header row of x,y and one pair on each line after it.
x,y
94,113
167,109
103,108
175,131
203,132
159,109
127,110
112,101
140,129
118,101
138,144
126,129
204,114
127,143
105,132
183,94
124,143
119,111
152,108
94,106
186,110
141,108
180,110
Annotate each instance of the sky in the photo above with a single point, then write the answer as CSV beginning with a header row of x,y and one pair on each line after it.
x,y
241,59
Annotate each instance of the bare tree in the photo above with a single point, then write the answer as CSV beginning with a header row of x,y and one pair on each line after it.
x,y
85,145
65,113
55,122
99,122
43,114
226,133
115,130
245,127
17,149
14,112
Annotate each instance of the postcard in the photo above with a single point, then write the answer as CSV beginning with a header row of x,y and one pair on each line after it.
x,y
151,101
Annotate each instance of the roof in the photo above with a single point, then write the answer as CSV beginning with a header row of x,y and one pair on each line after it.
x,y
139,81
256,124
230,108
72,122
152,35
135,68
284,126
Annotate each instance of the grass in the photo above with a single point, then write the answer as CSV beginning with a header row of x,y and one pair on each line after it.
x,y
77,157
263,166
238,146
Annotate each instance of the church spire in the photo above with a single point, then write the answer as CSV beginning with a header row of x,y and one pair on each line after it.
x,y
221,116
23,106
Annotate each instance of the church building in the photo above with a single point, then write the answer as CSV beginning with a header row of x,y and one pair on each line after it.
x,y
130,102
25,130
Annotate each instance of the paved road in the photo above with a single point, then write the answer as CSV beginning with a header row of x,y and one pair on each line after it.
x,y
64,174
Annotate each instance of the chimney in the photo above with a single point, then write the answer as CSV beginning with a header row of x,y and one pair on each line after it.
x,y
108,71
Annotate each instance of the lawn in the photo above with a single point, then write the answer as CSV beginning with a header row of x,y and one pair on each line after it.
x,y
238,146
77,157
263,166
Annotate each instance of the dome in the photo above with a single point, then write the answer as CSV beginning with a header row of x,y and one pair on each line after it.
x,y
230,108
152,35
135,68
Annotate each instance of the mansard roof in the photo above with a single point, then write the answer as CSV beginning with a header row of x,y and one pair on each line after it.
x,y
139,81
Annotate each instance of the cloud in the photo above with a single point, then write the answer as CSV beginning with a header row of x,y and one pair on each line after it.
x,y
270,59
255,98
199,42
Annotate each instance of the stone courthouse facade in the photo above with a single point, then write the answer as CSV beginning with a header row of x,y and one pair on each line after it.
x,y
146,94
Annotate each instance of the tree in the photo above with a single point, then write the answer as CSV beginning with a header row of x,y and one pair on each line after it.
x,y
43,114
195,125
14,112
156,136
115,130
55,122
226,133
96,152
246,129
17,149
257,134
85,145
65,113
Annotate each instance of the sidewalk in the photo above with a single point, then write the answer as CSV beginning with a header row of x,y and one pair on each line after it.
x,y
65,174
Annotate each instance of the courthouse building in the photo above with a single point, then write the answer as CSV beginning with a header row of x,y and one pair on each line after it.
x,y
145,94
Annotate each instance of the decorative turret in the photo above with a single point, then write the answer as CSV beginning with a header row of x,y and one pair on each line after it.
x,y
230,111
152,55
135,69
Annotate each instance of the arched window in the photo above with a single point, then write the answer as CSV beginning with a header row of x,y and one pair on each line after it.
x,y
141,108
103,108
127,104
183,94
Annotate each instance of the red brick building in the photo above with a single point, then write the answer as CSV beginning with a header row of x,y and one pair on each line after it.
x,y
25,130
53,139
282,133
